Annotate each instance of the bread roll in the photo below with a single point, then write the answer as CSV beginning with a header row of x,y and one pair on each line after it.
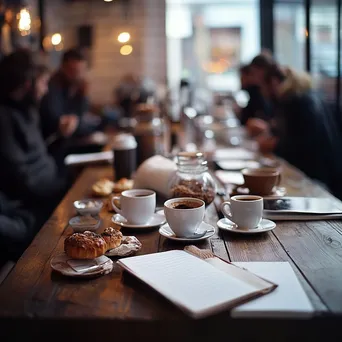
x,y
112,237
87,245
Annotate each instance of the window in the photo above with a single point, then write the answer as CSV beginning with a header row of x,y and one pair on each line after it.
x,y
289,33
208,40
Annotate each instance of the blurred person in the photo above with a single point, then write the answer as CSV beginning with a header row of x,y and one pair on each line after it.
x,y
258,68
132,91
260,65
257,105
28,173
304,133
64,109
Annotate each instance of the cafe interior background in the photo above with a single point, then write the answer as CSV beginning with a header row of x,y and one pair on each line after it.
x,y
200,40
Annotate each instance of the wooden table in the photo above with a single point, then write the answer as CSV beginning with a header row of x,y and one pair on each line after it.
x,y
40,303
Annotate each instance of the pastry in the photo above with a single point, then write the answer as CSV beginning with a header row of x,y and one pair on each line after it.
x,y
103,187
123,184
113,237
87,245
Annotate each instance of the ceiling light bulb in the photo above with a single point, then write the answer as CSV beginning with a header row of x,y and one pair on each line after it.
x,y
56,39
124,37
126,50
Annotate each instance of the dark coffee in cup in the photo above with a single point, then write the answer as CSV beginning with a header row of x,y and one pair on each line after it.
x,y
185,205
141,195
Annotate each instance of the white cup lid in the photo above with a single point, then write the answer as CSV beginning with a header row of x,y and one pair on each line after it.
x,y
124,142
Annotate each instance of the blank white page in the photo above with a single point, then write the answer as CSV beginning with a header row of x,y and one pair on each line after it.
x,y
288,300
189,282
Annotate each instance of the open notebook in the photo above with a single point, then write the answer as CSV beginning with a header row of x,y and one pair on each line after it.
x,y
193,284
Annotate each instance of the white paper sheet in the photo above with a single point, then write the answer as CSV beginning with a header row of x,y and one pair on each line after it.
x,y
288,300
88,158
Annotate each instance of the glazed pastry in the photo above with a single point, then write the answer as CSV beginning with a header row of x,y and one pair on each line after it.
x,y
103,187
87,245
123,184
113,237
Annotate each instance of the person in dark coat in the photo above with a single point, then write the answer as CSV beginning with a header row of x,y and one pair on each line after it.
x,y
64,108
28,173
304,133
16,229
257,69
257,106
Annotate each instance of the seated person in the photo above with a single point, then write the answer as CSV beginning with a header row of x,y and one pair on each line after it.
x,y
303,134
16,229
64,109
257,106
28,173
257,71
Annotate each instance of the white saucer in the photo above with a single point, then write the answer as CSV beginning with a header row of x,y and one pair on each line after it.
x,y
60,264
154,221
264,226
169,234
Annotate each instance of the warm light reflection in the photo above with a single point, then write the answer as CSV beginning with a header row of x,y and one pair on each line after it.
x,y
126,50
56,39
306,33
124,37
24,24
216,67
108,0
47,43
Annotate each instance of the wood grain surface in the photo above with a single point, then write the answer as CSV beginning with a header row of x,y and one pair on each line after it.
x,y
33,290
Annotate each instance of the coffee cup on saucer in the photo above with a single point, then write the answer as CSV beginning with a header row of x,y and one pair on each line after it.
x,y
244,210
261,181
137,206
184,215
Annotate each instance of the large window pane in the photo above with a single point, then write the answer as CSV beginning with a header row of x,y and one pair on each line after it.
x,y
208,40
289,33
324,47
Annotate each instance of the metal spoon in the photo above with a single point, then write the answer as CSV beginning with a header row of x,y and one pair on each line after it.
x,y
198,235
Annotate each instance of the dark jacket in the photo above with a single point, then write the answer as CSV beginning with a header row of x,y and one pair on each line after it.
x,y
16,229
308,138
58,102
27,172
257,106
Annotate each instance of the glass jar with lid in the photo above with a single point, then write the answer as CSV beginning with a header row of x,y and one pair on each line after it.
x,y
192,178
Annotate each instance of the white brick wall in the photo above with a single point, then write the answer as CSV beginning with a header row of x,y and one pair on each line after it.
x,y
146,25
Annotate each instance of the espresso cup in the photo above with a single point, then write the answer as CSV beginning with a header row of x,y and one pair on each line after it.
x,y
184,215
261,181
137,206
244,210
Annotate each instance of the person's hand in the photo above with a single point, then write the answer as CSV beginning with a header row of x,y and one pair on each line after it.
x,y
256,126
68,124
267,143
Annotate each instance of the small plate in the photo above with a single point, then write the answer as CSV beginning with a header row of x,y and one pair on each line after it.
x,y
264,226
82,209
154,221
278,191
60,264
169,234
79,227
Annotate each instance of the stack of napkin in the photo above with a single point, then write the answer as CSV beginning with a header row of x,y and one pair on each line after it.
x,y
156,174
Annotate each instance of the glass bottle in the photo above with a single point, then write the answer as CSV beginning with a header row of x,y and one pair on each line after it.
x,y
192,178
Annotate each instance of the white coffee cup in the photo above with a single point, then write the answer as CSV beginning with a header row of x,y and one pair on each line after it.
x,y
137,206
244,210
184,222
